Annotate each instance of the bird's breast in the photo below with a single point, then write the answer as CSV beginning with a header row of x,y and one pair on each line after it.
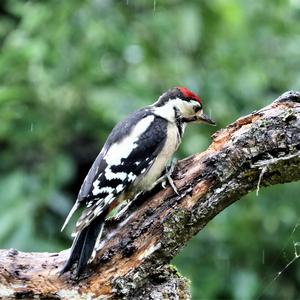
x,y
171,144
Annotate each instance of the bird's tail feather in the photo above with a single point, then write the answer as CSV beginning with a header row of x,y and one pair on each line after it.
x,y
93,231
83,246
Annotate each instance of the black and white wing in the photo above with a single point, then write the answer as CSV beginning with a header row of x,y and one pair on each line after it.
x,y
128,153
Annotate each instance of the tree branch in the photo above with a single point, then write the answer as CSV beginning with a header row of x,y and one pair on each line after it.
x,y
260,149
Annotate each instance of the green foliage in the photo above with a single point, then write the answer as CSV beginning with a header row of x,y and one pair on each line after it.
x,y
69,70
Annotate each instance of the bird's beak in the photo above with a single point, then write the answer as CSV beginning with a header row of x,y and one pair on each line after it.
x,y
203,118
199,118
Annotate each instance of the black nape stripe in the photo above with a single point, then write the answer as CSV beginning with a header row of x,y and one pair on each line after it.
x,y
172,93
179,121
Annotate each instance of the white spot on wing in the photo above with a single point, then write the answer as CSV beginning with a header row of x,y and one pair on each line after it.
x,y
131,176
97,210
96,189
110,175
123,149
119,188
106,189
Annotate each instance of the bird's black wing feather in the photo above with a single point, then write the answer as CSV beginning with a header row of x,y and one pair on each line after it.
x,y
105,182
122,129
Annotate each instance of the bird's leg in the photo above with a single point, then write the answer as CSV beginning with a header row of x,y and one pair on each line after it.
x,y
167,177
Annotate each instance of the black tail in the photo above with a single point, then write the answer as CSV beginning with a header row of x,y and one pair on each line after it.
x,y
83,246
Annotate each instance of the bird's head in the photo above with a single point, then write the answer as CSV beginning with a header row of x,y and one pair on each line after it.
x,y
184,104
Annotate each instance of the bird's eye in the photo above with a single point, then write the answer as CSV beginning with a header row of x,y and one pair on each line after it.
x,y
197,108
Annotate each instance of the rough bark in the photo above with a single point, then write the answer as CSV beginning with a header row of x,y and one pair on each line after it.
x,y
263,147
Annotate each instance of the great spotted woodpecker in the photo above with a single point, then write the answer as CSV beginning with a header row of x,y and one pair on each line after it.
x,y
131,161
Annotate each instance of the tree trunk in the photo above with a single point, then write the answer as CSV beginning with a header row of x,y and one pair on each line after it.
x,y
260,149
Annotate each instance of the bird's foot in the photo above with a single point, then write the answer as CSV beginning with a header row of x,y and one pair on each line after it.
x,y
166,178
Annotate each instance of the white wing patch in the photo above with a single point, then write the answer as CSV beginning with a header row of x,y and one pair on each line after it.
x,y
123,149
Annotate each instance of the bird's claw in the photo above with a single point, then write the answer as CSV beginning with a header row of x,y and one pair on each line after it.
x,y
167,177
164,184
172,184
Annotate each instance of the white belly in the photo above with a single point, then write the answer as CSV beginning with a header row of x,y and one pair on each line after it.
x,y
162,159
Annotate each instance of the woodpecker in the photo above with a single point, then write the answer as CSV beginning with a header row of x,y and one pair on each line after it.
x,y
132,161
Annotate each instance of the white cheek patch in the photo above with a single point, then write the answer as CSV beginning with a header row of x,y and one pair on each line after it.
x,y
186,109
122,150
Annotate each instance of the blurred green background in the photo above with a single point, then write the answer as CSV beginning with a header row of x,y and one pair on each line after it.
x,y
69,70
